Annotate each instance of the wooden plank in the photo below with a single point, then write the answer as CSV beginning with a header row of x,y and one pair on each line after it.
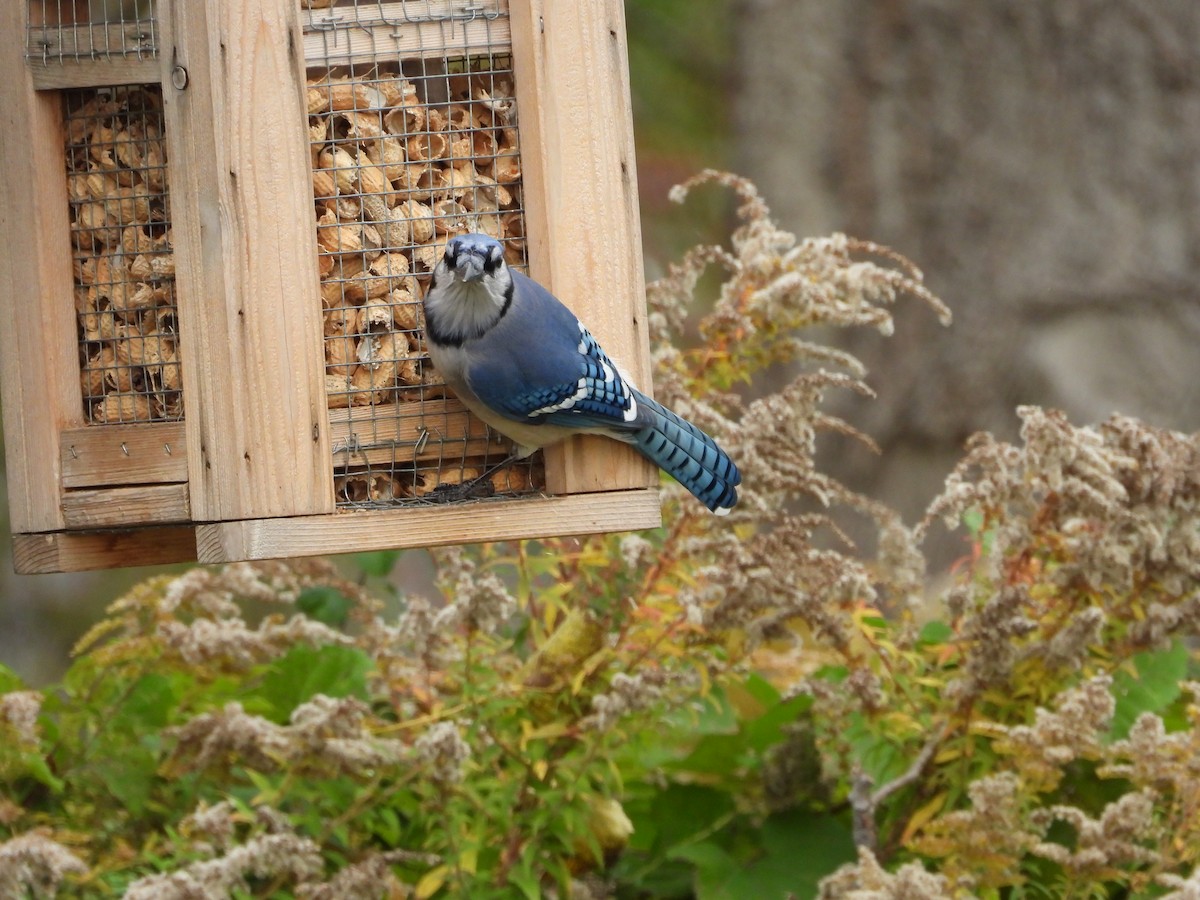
x,y
56,74
150,504
460,523
246,262
572,81
65,50
378,31
92,41
155,453
39,369
38,554
147,453
364,434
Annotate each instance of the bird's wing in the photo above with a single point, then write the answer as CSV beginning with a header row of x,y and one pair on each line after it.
x,y
570,386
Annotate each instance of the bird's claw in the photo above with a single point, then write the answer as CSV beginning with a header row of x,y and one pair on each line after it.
x,y
452,493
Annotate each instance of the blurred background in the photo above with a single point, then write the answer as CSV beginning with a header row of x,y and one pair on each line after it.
x,y
1040,162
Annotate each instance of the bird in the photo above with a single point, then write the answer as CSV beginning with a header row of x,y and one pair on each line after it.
x,y
522,362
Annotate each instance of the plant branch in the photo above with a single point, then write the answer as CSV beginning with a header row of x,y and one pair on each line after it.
x,y
864,802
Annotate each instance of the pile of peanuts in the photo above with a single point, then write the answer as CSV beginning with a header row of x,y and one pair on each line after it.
x,y
124,269
394,178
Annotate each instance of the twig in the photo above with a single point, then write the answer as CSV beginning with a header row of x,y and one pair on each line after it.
x,y
864,802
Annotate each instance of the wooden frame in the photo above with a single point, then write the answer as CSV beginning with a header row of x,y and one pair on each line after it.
x,y
237,479
240,205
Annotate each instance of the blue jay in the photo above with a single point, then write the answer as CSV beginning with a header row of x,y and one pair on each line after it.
x,y
525,365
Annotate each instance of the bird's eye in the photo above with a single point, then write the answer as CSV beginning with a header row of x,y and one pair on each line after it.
x,y
489,260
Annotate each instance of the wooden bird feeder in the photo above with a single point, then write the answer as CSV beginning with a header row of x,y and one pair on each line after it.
x,y
219,220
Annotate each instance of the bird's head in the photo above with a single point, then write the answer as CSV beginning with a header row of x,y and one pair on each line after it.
x,y
471,289
472,258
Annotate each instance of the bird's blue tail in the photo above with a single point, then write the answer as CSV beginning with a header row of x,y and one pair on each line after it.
x,y
687,454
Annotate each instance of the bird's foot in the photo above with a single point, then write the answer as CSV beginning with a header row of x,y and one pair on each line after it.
x,y
471,490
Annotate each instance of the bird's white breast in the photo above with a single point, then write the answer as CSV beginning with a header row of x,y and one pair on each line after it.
x,y
464,309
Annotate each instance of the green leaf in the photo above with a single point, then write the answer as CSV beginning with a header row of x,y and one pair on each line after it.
x,y
767,730
148,704
386,825
266,786
761,689
798,849
935,632
305,671
714,866
1154,688
9,680
684,730
832,674
665,821
529,883
129,776
377,563
878,756
720,755
325,604
675,816
35,764
715,715
746,723
122,754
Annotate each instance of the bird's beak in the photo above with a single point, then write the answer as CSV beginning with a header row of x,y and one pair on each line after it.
x,y
469,267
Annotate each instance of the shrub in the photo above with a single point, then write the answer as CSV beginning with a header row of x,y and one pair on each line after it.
x,y
747,706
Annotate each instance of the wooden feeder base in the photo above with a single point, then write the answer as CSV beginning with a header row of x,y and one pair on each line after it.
x,y
363,530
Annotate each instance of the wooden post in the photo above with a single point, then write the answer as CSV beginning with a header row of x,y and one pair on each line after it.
x,y
581,204
246,267
37,308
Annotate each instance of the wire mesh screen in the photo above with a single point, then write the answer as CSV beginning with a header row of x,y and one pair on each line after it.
x,y
124,269
414,140
90,29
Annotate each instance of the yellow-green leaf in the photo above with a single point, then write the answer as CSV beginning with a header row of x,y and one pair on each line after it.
x,y
550,730
468,860
947,754
431,882
922,816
